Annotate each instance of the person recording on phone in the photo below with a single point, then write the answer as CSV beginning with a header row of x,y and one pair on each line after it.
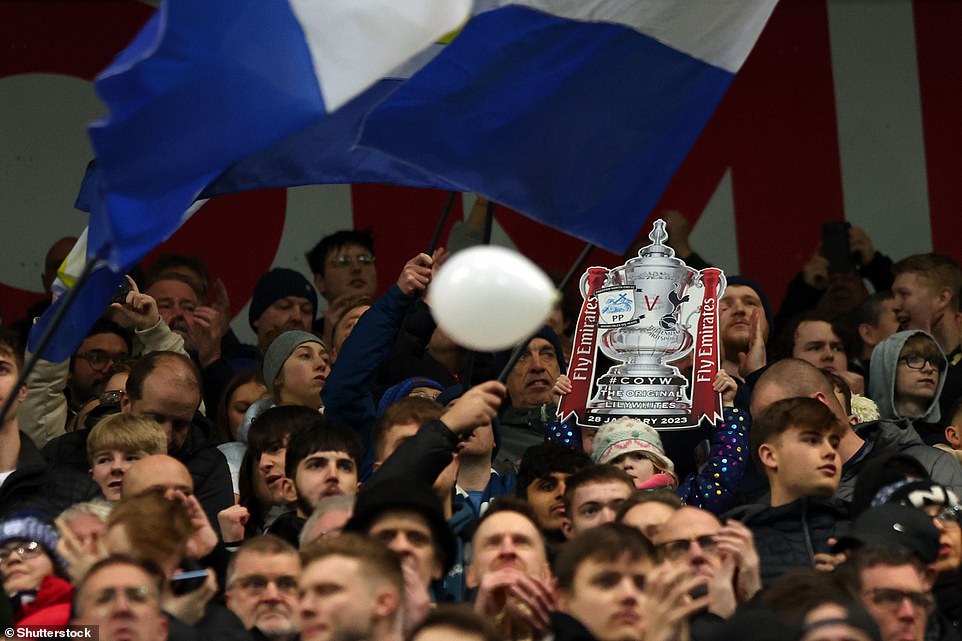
x,y
831,282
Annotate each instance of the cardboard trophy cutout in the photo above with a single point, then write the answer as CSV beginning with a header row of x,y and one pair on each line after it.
x,y
638,317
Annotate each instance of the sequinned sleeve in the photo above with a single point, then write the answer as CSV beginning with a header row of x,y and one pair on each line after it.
x,y
712,487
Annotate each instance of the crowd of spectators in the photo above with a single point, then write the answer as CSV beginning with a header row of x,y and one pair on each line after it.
x,y
356,475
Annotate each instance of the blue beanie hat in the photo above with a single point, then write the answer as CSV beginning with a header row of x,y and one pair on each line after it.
x,y
396,392
277,284
24,527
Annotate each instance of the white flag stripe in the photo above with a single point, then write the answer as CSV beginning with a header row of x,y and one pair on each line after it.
x,y
719,32
351,48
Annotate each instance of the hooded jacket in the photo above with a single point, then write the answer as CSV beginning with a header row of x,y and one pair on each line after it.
x,y
884,365
885,437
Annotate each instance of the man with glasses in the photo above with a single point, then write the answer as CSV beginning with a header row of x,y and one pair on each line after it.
x,y
59,390
724,555
120,597
891,583
262,587
344,274
942,505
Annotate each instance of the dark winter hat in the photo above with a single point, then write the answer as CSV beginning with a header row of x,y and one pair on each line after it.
x,y
396,392
916,493
276,284
881,472
894,526
738,279
281,349
404,494
30,528
501,358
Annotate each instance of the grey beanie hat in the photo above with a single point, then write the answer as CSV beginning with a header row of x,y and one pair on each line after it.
x,y
281,349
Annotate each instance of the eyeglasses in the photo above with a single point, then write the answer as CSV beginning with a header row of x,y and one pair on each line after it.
x,y
112,397
24,551
949,515
891,599
915,361
256,584
138,595
98,357
677,549
346,260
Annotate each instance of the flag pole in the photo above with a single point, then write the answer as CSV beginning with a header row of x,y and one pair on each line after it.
x,y
445,214
46,337
563,285
468,372
488,223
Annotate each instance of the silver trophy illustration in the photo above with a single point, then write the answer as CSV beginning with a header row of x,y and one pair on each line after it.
x,y
639,308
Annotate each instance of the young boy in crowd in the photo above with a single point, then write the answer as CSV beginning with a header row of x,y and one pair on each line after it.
x,y
794,442
115,443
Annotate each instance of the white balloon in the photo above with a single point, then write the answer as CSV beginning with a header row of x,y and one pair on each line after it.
x,y
490,298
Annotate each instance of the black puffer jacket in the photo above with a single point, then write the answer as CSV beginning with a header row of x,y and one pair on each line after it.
x,y
789,536
35,486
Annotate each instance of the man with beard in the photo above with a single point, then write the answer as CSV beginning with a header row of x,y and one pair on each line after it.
x,y
744,319
542,482
262,588
322,460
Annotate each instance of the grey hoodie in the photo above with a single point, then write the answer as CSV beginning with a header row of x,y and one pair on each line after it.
x,y
881,382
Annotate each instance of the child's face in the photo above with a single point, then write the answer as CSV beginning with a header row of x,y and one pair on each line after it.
x,y
108,468
918,381
638,466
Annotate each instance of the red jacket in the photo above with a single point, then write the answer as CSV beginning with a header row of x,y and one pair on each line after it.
x,y
51,608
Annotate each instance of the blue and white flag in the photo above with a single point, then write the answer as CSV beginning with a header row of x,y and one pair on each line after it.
x,y
206,84
325,152
575,112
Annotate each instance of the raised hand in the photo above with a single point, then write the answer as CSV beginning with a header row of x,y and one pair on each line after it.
x,y
477,407
139,310
415,275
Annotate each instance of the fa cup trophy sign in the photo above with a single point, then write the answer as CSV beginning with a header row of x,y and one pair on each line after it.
x,y
640,317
